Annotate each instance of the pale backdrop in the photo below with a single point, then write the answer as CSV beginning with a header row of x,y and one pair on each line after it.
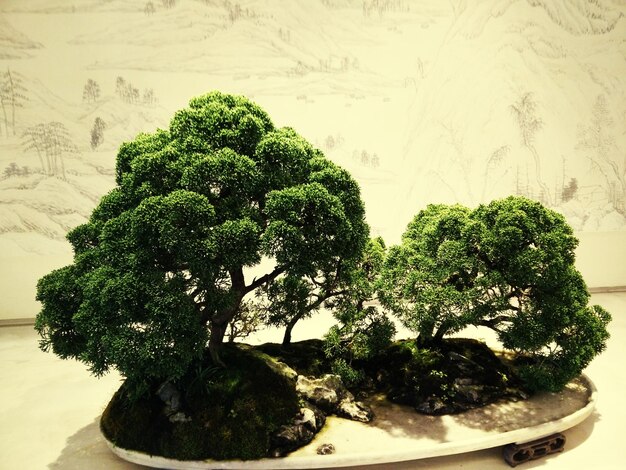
x,y
423,101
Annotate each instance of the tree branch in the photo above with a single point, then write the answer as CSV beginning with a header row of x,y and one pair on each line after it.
x,y
494,322
278,270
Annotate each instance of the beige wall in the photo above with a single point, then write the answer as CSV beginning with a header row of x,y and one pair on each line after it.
x,y
423,102
601,258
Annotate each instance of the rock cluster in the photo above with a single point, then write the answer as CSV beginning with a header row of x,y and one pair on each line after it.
x,y
329,393
320,396
470,388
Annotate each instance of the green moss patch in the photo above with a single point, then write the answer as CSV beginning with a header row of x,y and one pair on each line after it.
x,y
451,376
230,413
305,357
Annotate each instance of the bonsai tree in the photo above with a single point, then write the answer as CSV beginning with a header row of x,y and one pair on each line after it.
x,y
429,278
362,330
508,266
160,268
341,284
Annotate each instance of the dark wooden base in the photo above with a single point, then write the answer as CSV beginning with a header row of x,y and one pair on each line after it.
x,y
514,454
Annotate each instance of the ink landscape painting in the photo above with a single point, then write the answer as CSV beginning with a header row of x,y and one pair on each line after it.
x,y
422,102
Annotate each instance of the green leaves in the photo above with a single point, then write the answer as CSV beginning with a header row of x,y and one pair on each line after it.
x,y
173,232
144,144
161,259
508,265
61,296
307,225
215,120
143,324
230,182
428,280
283,157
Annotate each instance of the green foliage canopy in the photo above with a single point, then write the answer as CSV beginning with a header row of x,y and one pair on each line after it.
x,y
507,265
363,330
159,267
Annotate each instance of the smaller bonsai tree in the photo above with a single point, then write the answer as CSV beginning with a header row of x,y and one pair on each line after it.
x,y
508,266
362,330
428,279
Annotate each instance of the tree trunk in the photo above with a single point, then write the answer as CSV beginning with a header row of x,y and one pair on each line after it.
x,y
438,337
215,342
287,335
219,323
288,329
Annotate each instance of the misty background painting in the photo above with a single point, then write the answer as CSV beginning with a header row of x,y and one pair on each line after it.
x,y
422,101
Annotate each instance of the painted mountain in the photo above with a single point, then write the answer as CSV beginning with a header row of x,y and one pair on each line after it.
x,y
430,101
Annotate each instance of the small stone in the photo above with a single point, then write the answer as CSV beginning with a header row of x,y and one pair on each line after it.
x,y
432,406
307,419
289,438
300,432
473,394
179,417
169,395
326,449
463,381
355,411
321,392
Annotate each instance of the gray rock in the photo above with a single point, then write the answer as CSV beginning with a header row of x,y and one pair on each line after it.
x,y
179,417
474,394
464,364
432,406
169,395
306,417
329,393
464,381
354,410
324,392
325,449
305,425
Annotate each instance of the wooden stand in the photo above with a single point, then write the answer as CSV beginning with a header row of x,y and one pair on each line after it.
x,y
514,454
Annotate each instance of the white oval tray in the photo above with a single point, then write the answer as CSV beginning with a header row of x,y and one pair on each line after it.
x,y
400,434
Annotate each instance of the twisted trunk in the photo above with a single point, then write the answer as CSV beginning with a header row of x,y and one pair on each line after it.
x,y
219,322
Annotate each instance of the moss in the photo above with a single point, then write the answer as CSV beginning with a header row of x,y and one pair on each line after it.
x,y
305,357
233,413
135,425
452,371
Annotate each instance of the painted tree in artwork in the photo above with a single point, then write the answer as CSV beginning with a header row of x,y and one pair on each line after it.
x,y
91,91
597,140
161,267
149,8
529,123
12,96
52,142
97,132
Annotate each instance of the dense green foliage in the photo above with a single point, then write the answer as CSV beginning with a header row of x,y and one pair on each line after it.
x,y
343,287
509,266
363,330
163,267
160,267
